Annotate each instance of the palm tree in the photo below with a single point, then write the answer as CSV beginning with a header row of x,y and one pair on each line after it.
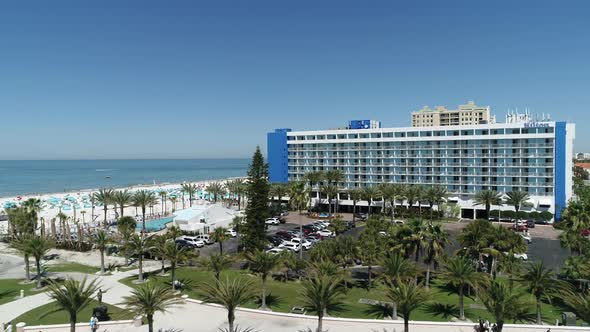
x,y
356,195
138,246
215,189
335,177
460,272
369,193
262,263
126,228
219,235
175,254
542,284
123,198
297,199
516,199
512,266
436,240
216,263
104,197
278,190
163,194
409,297
435,195
322,294
312,179
158,248
33,207
72,297
229,294
331,191
21,243
504,304
413,195
144,198
150,298
488,198
38,246
396,270
191,190
370,251
173,200
580,304
101,241
391,192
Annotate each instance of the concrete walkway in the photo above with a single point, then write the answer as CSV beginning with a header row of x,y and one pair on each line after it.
x,y
114,293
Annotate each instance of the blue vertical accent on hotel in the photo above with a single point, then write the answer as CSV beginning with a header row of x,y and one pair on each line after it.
x,y
560,165
278,155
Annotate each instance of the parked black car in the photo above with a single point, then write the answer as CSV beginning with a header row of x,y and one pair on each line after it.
x,y
184,244
275,240
530,223
361,216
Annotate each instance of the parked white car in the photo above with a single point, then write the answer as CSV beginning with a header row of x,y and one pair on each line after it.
x,y
522,256
193,240
290,246
275,251
272,221
205,238
231,232
304,243
325,233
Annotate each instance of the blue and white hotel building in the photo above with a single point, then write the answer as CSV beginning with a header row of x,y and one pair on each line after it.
x,y
536,157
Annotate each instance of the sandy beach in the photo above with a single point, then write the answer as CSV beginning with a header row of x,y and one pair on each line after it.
x,y
76,205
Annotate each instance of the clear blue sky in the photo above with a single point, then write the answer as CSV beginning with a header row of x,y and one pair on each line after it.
x,y
135,79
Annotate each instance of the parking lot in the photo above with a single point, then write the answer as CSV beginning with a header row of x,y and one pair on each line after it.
x,y
545,244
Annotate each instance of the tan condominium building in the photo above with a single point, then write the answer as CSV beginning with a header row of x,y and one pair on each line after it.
x,y
465,115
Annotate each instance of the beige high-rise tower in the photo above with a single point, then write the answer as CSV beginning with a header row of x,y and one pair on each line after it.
x,y
468,114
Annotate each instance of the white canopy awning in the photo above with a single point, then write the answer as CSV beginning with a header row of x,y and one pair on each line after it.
x,y
453,199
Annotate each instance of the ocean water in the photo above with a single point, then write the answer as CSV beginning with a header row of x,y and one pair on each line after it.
x,y
20,177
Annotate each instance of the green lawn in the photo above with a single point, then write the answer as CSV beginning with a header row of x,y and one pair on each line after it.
x,y
44,315
286,295
10,288
72,267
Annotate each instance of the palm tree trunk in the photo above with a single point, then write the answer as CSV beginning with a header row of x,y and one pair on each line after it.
x,y
140,265
231,316
27,268
38,263
353,211
173,275
320,321
392,209
369,275
461,309
143,217
105,215
406,324
220,247
121,208
239,201
428,275
101,261
163,268
217,277
539,320
500,325
73,319
150,319
263,299
431,207
394,313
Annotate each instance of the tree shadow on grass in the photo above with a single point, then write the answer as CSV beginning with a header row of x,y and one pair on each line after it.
x,y
443,310
271,300
378,311
8,293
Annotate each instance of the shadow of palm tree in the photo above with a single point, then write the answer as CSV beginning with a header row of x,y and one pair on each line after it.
x,y
8,293
378,311
443,310
271,300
